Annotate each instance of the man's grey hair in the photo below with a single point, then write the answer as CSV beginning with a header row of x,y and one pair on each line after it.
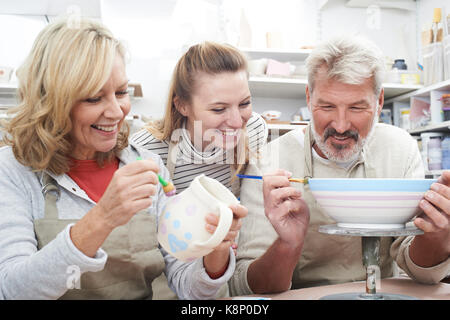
x,y
348,59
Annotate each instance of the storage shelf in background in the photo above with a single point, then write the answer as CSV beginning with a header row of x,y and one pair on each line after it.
x,y
283,127
8,89
422,92
434,172
8,86
282,55
436,127
392,90
294,88
271,87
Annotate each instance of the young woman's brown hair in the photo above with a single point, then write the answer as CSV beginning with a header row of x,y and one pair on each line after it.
x,y
206,57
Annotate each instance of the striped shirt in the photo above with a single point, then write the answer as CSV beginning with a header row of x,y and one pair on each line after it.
x,y
214,163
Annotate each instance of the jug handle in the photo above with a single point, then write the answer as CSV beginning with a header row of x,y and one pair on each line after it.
x,y
225,220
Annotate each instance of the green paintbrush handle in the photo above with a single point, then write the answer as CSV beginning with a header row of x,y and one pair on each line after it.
x,y
161,180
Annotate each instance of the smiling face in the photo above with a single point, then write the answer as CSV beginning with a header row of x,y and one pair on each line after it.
x,y
97,120
343,116
220,106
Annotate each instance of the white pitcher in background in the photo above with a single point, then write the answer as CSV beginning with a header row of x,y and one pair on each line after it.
x,y
181,226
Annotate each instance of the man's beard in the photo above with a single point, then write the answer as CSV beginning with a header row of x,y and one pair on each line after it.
x,y
342,153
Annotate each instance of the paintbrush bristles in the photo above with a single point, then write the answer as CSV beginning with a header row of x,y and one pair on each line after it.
x,y
169,189
305,181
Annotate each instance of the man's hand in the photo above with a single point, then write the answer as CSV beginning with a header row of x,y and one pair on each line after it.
x,y
289,215
433,246
284,207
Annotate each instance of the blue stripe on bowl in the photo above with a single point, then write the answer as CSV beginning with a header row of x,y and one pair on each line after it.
x,y
403,185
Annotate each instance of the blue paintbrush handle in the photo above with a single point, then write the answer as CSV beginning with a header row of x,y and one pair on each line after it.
x,y
249,177
305,181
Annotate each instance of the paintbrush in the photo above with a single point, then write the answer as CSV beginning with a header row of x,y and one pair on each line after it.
x,y
168,187
304,181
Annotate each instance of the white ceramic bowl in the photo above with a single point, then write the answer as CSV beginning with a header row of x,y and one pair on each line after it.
x,y
370,203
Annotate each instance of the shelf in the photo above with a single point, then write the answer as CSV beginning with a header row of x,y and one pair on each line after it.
x,y
275,126
393,90
8,89
281,55
434,172
438,127
422,92
8,93
294,88
8,86
278,87
287,88
408,5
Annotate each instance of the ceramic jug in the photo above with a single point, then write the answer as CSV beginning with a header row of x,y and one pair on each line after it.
x,y
181,226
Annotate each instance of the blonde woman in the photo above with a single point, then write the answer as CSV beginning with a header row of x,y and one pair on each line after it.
x,y
78,213
208,126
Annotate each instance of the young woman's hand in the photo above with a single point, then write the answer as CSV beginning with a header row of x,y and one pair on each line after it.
x,y
216,262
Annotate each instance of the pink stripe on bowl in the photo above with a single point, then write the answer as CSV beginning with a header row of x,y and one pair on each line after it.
x,y
387,198
367,207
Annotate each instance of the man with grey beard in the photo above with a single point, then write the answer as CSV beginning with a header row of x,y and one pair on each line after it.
x,y
279,244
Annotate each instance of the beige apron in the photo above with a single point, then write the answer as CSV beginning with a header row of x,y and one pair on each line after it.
x,y
312,264
134,259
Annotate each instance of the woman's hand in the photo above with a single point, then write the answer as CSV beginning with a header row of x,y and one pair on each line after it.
x,y
128,192
216,262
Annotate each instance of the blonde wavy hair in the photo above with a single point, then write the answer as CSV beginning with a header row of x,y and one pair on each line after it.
x,y
66,64
211,58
